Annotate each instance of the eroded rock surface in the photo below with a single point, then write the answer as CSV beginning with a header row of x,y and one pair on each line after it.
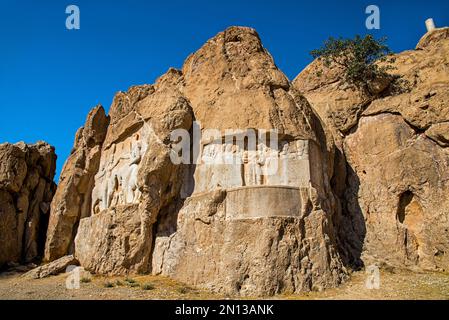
x,y
259,225
348,179
246,229
72,200
394,143
26,191
53,268
136,178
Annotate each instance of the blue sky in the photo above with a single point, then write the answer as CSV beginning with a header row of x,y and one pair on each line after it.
x,y
51,77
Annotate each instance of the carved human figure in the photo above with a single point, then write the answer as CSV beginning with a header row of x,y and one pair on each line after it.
x,y
112,190
215,153
228,154
127,174
116,183
106,183
96,199
271,163
260,164
302,150
249,165
131,188
284,152
205,155
209,154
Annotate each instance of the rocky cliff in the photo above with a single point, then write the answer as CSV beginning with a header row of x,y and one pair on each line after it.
x,y
231,227
136,181
241,229
26,191
72,200
225,175
393,174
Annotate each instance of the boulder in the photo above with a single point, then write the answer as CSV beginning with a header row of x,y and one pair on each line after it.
x,y
50,269
26,189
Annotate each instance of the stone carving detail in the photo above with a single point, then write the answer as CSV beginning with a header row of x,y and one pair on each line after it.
x,y
116,181
230,166
292,245
136,181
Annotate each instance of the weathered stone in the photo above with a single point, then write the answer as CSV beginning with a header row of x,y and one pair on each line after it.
x,y
112,242
439,133
338,104
249,253
26,188
393,189
402,179
280,217
136,178
72,200
241,230
52,268
433,38
230,83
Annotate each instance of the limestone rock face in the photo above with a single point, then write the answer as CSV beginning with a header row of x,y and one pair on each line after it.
x,y
402,182
72,200
246,227
258,224
271,194
250,254
233,83
136,178
26,190
395,149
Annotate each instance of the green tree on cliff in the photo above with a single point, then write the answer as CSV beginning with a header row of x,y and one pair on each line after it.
x,y
365,61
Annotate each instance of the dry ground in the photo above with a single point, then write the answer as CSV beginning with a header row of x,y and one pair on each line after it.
x,y
394,285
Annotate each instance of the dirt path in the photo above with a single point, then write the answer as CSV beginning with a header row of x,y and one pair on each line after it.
x,y
398,285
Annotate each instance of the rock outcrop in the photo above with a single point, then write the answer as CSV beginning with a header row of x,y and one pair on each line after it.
x,y
72,200
242,229
222,175
136,179
395,145
261,224
26,191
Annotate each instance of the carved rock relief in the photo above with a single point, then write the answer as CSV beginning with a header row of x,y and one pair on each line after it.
x,y
230,166
116,181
